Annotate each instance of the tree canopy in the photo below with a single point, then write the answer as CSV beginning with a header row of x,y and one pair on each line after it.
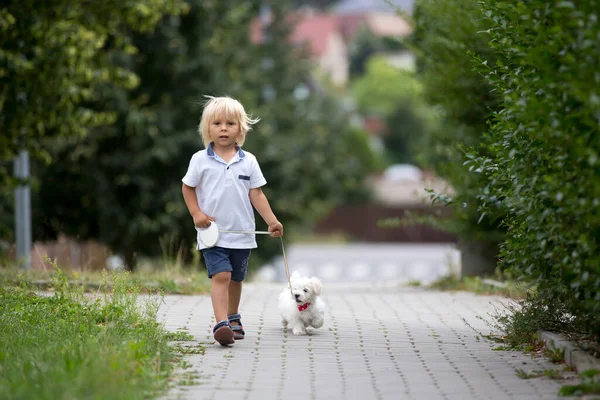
x,y
396,96
54,58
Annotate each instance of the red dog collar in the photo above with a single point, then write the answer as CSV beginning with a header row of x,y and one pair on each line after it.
x,y
303,307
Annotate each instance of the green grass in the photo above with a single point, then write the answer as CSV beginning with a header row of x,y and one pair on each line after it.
x,y
590,384
67,345
548,373
168,279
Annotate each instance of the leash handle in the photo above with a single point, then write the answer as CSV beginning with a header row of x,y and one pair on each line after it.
x,y
247,232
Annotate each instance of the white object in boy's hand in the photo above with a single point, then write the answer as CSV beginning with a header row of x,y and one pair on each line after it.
x,y
210,236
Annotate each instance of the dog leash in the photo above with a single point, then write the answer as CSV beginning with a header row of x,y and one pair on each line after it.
x,y
285,263
287,268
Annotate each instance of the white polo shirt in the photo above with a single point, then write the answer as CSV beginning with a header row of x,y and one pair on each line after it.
x,y
222,190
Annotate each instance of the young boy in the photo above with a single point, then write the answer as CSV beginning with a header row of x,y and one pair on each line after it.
x,y
222,184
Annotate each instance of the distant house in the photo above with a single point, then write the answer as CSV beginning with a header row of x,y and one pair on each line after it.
x,y
326,37
323,36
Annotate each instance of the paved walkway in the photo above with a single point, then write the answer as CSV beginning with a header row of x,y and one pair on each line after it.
x,y
377,343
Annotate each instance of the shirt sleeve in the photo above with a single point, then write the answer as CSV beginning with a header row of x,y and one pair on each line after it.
x,y
257,178
192,178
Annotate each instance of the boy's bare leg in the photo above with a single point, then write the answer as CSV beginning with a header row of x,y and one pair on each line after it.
x,y
235,294
219,295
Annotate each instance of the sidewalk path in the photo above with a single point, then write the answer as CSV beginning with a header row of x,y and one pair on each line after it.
x,y
377,343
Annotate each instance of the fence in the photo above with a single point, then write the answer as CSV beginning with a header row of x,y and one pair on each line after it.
x,y
360,222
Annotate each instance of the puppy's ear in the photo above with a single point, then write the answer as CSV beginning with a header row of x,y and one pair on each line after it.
x,y
316,285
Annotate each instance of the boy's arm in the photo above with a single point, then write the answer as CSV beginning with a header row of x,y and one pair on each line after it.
x,y
201,220
260,202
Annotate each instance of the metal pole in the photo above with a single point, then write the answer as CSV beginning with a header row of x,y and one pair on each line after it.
x,y
23,210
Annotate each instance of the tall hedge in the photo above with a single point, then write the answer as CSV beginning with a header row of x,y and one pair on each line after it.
x,y
529,70
542,163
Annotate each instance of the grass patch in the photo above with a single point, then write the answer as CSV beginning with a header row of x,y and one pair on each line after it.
x,y
179,336
67,345
479,285
590,384
548,373
168,280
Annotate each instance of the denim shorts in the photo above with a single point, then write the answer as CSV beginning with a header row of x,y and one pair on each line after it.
x,y
219,259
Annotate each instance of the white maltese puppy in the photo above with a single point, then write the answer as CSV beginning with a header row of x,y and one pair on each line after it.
x,y
302,308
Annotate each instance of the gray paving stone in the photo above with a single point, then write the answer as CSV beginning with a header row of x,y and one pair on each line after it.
x,y
377,343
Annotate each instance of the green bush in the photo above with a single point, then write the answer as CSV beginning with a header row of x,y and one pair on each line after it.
x,y
529,70
447,33
541,160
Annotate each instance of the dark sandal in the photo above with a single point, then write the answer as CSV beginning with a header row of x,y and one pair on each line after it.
x,y
223,333
238,329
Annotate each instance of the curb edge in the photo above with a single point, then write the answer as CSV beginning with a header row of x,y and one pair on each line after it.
x,y
574,356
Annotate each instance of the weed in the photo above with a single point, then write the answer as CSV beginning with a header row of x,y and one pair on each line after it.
x,y
185,364
549,373
590,384
179,336
184,349
554,354
189,378
520,321
553,374
522,374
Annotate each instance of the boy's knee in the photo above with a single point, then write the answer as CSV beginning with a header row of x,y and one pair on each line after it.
x,y
222,278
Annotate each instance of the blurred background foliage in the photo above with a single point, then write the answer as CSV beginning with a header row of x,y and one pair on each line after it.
x,y
396,96
111,121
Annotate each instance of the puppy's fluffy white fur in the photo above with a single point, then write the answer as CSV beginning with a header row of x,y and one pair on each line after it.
x,y
304,290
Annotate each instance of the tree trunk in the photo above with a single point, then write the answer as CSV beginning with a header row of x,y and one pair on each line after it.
x,y
130,260
478,258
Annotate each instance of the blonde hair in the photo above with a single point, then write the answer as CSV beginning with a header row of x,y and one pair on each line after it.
x,y
228,108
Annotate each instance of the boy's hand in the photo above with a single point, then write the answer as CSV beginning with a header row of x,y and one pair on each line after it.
x,y
202,220
276,229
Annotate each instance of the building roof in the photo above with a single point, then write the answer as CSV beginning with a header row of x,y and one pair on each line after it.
x,y
315,32
315,29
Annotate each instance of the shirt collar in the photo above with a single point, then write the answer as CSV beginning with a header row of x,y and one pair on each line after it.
x,y
211,152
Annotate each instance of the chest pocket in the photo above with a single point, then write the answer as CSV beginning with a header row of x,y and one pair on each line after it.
x,y
244,180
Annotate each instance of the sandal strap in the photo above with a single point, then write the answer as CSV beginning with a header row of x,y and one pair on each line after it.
x,y
235,318
221,324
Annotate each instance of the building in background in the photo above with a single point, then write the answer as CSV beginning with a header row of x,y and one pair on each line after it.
x,y
327,37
